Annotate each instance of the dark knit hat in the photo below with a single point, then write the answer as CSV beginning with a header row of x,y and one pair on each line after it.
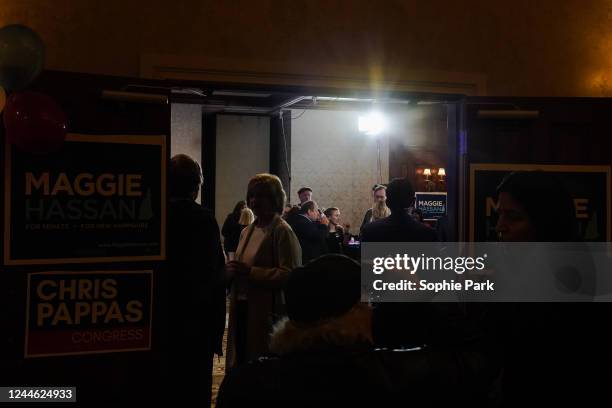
x,y
325,287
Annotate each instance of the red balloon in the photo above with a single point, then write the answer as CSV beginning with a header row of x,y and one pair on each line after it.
x,y
34,122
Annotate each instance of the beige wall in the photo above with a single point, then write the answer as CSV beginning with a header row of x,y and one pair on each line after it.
x,y
243,150
186,131
330,155
523,47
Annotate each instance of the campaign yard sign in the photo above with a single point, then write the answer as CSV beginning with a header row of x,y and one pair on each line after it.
x,y
88,312
99,199
432,204
589,186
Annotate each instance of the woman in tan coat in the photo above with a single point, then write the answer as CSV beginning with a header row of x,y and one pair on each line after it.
x,y
267,251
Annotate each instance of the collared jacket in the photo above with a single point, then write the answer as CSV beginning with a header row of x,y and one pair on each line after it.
x,y
277,255
194,282
311,234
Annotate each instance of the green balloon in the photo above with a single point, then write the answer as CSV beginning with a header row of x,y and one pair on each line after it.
x,y
22,56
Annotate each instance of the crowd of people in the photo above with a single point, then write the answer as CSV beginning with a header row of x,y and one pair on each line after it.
x,y
321,231
298,333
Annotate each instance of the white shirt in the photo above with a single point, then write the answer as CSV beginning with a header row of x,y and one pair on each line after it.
x,y
248,253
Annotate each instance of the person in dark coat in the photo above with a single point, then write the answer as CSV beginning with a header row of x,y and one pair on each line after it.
x,y
310,226
324,356
399,226
554,353
231,229
416,318
336,236
195,288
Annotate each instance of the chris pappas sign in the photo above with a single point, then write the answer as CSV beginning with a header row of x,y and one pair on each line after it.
x,y
99,199
88,312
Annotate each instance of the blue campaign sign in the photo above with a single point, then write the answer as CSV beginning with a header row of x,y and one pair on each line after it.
x,y
433,205
89,202
589,187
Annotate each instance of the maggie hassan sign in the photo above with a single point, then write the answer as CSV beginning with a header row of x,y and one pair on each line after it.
x,y
99,199
589,187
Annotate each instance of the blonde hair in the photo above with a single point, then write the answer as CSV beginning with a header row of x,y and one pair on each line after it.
x,y
273,186
246,216
380,210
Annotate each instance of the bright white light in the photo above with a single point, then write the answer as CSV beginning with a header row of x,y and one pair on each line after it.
x,y
373,124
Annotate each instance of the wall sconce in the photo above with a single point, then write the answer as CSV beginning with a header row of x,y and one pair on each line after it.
x,y
429,185
434,178
441,173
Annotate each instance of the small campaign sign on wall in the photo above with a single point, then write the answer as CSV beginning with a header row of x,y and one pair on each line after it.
x,y
101,198
431,204
88,312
